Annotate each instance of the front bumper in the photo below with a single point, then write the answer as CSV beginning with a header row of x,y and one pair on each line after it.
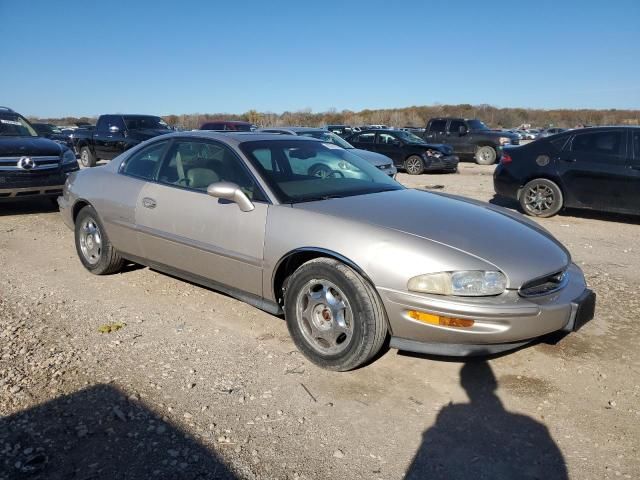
x,y
448,162
35,183
501,323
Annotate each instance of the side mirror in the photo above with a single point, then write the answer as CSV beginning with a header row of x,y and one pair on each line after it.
x,y
462,130
113,129
232,192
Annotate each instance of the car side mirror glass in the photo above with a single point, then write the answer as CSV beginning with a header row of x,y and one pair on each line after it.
x,y
114,129
462,130
231,192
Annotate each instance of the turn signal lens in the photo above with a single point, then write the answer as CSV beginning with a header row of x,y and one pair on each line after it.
x,y
506,158
440,320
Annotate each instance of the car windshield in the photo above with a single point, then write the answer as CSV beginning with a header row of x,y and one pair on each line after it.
x,y
45,128
326,136
140,122
13,125
477,125
409,137
307,170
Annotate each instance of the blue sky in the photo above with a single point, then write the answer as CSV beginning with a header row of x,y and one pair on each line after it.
x,y
162,57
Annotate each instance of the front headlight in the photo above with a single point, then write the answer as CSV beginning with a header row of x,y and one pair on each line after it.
x,y
468,283
68,157
434,153
505,140
345,165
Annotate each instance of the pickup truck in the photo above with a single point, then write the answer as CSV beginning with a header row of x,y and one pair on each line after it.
x,y
469,138
115,134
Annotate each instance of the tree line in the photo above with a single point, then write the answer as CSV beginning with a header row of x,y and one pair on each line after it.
x,y
415,116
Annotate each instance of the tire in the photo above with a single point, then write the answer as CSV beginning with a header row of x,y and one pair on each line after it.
x,y
93,246
87,159
340,338
486,155
541,198
414,165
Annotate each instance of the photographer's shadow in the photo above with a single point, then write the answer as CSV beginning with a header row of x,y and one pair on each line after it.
x,y
481,440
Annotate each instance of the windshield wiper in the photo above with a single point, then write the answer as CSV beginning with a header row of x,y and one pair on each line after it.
x,y
320,197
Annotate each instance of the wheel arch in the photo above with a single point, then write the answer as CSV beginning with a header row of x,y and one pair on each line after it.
x,y
292,260
79,205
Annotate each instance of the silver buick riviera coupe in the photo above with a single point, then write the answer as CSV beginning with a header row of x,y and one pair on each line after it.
x,y
351,258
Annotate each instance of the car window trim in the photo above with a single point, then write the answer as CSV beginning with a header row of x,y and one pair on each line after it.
x,y
124,163
165,158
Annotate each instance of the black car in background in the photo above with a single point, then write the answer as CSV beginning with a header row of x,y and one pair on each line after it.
x,y
470,138
594,168
114,134
30,165
407,150
54,133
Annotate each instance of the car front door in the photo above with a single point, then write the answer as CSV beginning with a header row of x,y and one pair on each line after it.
x,y
634,172
435,132
460,141
107,143
594,169
194,234
364,140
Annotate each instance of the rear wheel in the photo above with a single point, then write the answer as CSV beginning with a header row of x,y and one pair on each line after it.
x,y
93,246
334,316
414,165
541,198
87,158
486,155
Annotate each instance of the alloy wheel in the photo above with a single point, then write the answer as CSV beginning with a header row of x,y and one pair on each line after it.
x,y
539,198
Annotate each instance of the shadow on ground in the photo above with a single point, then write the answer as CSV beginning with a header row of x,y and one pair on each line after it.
x,y
28,206
96,434
482,440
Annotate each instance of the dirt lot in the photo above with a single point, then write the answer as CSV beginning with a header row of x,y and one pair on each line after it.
x,y
192,384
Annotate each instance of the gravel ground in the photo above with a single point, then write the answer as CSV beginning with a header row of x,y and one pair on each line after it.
x,y
140,375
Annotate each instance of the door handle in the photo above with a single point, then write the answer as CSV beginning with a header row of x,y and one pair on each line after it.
x,y
569,160
149,202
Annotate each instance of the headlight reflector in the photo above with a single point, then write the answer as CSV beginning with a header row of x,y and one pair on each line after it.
x,y
505,140
468,283
68,157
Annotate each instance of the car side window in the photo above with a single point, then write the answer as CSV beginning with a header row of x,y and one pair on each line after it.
x,y
144,163
196,164
438,126
455,125
388,139
636,146
602,143
366,137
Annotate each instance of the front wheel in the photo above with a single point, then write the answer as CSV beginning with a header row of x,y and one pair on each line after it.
x,y
93,246
414,165
87,158
541,198
486,155
334,316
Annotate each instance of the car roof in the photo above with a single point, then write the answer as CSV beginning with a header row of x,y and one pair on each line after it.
x,y
296,129
236,138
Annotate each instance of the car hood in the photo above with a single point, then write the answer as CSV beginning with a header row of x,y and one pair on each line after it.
x,y
371,157
514,245
29,146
